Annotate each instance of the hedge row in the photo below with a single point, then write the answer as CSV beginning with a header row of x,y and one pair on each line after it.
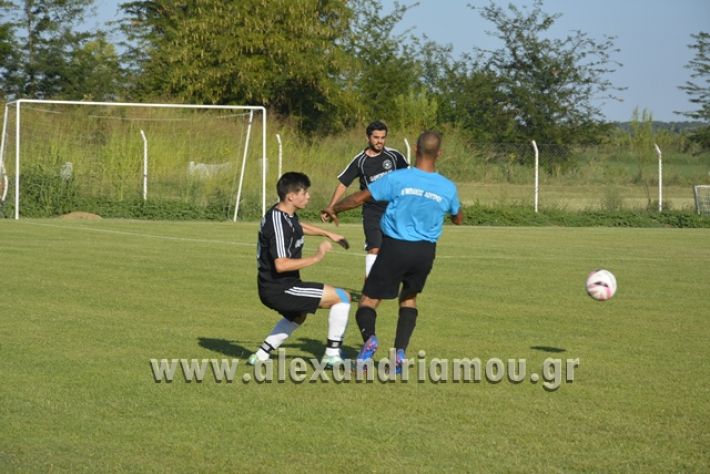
x,y
474,215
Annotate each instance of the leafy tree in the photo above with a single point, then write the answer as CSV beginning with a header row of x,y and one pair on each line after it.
x,y
9,59
50,57
46,38
280,54
94,71
470,99
545,85
384,73
699,88
700,65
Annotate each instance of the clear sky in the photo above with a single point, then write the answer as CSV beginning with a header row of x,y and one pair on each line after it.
x,y
653,36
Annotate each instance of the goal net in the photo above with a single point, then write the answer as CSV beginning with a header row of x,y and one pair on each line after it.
x,y
702,199
163,161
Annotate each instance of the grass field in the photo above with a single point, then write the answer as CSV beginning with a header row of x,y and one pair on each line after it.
x,y
86,305
577,197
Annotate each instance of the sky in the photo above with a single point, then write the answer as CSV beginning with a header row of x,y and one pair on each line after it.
x,y
652,35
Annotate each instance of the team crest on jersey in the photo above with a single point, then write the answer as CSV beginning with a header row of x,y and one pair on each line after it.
x,y
387,164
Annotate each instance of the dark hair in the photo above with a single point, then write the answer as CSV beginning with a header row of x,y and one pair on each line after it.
x,y
376,125
292,182
429,143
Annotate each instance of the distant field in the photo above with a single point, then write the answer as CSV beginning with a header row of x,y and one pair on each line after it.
x,y
74,157
86,305
576,197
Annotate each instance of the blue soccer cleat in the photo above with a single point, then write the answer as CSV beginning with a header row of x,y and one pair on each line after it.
x,y
400,358
368,349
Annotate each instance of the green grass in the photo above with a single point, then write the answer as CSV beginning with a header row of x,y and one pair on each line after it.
x,y
580,197
85,306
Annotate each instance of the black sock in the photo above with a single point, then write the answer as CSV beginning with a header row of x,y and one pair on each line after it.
x,y
365,317
405,327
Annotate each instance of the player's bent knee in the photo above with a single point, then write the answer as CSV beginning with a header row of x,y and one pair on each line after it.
x,y
408,301
333,295
366,301
343,295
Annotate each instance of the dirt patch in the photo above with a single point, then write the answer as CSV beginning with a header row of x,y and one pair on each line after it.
x,y
80,216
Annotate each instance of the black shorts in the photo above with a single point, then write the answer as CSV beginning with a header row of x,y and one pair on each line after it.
x,y
371,225
292,301
400,262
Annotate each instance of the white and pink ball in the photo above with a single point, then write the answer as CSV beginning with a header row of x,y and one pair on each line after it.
x,y
601,285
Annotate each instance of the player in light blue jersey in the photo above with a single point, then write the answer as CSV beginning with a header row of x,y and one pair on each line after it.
x,y
418,199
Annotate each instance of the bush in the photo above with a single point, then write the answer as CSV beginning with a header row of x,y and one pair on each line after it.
x,y
525,216
45,193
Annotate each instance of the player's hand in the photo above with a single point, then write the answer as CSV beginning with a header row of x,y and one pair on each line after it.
x,y
325,215
340,240
323,249
329,215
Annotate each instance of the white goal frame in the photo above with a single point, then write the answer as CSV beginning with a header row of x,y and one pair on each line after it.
x,y
701,205
18,103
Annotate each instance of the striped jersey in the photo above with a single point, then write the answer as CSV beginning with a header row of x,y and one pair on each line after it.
x,y
280,236
370,168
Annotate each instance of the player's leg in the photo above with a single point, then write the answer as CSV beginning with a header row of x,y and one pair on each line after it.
x,y
293,303
406,322
281,331
373,237
337,301
382,283
420,260
366,317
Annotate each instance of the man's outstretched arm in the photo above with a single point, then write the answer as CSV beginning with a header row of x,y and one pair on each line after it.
x,y
349,202
337,194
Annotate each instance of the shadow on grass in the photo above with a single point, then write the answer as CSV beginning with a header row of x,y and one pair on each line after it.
x,y
314,347
223,346
548,349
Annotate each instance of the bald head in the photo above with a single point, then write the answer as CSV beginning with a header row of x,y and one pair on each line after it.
x,y
429,145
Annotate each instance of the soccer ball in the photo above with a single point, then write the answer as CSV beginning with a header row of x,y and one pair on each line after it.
x,y
601,285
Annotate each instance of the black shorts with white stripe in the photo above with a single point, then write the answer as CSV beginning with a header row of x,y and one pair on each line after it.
x,y
294,300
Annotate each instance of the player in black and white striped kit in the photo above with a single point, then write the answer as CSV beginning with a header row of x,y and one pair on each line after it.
x,y
279,258
372,163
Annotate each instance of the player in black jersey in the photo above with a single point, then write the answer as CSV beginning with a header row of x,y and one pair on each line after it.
x,y
372,163
279,257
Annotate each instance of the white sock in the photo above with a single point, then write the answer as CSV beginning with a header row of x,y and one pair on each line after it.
x,y
283,329
337,322
369,262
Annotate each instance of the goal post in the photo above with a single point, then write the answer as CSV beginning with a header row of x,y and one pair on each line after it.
x,y
187,156
702,199
3,172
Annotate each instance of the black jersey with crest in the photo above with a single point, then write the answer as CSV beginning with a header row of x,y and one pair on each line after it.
x,y
370,168
280,236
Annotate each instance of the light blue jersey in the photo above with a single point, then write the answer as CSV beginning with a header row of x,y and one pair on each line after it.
x,y
417,203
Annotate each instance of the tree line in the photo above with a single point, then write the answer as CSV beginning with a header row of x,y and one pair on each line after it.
x,y
325,65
